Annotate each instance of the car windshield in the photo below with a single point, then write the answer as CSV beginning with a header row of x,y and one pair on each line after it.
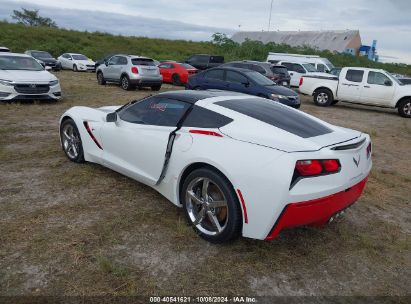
x,y
38,55
187,66
328,64
393,78
143,61
260,79
79,57
19,63
309,67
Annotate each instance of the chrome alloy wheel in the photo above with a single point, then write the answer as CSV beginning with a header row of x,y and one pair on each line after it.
x,y
407,108
206,206
124,83
322,98
71,141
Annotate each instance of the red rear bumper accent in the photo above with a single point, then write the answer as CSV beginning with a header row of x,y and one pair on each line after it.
x,y
316,212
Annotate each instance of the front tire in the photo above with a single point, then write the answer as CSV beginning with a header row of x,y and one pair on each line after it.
x,y
404,108
323,97
71,141
211,206
75,69
100,78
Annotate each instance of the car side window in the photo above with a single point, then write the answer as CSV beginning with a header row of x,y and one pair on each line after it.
x,y
164,66
289,66
113,60
298,68
321,68
155,111
215,74
354,75
202,59
122,60
377,78
236,77
200,117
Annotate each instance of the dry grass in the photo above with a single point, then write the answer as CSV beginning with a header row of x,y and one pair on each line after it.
x,y
85,230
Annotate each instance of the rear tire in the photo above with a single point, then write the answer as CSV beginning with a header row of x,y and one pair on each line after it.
x,y
125,83
156,88
100,78
323,97
404,108
176,79
211,206
71,141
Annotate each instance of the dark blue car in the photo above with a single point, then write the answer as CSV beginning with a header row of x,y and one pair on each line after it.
x,y
243,81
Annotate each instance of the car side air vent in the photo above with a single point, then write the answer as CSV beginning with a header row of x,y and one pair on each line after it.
x,y
350,146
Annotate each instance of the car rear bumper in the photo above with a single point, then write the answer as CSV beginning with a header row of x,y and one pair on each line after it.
x,y
316,212
147,82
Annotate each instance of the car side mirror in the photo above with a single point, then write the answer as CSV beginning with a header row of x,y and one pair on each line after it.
x,y
111,117
69,59
106,62
388,83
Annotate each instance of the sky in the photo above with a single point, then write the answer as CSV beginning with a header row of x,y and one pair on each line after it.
x,y
388,21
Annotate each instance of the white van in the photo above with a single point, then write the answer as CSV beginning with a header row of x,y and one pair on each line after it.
x,y
298,69
320,63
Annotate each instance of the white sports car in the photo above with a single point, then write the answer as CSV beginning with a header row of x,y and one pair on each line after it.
x,y
237,164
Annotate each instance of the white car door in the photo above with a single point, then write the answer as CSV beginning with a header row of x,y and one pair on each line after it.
x,y
136,144
378,89
350,85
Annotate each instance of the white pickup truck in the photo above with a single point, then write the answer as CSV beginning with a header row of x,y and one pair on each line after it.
x,y
359,85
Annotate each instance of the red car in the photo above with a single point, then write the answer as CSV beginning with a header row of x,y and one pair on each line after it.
x,y
175,72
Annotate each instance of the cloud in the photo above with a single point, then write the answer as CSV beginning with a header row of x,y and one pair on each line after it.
x,y
387,21
115,23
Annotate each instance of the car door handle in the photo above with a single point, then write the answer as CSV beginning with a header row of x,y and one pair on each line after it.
x,y
367,87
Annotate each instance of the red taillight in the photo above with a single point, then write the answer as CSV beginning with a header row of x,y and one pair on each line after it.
x,y
369,150
308,167
331,165
301,81
317,167
206,132
134,70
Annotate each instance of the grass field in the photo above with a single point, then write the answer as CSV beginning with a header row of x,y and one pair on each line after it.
x,y
81,229
97,45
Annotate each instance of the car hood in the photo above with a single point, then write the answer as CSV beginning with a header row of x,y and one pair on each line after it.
x,y
257,132
47,60
280,90
26,76
84,61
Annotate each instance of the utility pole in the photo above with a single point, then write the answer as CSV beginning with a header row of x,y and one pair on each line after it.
x,y
269,19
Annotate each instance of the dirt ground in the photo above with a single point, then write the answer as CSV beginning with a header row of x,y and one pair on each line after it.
x,y
83,230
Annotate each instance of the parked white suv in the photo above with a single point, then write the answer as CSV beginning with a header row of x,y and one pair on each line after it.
x,y
76,62
22,78
130,71
359,85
